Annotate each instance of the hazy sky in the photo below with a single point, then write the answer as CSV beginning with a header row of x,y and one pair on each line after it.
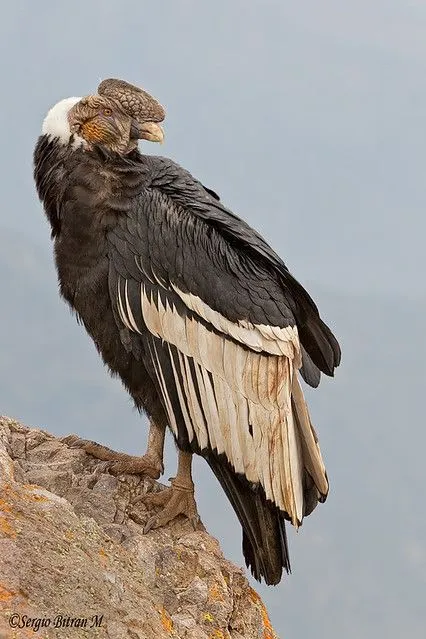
x,y
309,120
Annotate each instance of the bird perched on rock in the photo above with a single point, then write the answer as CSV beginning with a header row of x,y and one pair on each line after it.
x,y
193,310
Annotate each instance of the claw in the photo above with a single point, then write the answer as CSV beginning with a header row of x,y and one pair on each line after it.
x,y
176,500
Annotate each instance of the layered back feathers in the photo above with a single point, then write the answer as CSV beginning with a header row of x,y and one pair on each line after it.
x,y
216,323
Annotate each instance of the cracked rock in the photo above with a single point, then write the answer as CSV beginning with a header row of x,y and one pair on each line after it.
x,y
68,547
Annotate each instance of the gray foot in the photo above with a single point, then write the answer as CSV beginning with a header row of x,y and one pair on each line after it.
x,y
118,463
176,500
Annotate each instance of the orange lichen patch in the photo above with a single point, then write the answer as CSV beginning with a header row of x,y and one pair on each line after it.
x,y
6,528
267,630
41,498
166,621
217,634
254,596
215,592
26,493
10,492
4,506
103,555
29,488
5,595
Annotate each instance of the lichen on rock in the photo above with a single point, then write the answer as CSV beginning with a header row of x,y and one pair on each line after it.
x,y
70,554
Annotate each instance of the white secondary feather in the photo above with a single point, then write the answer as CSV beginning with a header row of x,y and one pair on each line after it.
x,y
56,123
259,337
241,402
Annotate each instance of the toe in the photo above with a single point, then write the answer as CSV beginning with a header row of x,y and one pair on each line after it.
x,y
136,466
175,502
153,499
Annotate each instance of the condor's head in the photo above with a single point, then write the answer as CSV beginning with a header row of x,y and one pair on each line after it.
x,y
115,118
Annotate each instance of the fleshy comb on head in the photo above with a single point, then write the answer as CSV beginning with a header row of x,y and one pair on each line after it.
x,y
137,102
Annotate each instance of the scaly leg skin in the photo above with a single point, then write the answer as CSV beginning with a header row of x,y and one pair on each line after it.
x,y
150,464
176,500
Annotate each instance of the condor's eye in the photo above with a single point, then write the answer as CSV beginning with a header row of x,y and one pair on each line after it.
x,y
107,111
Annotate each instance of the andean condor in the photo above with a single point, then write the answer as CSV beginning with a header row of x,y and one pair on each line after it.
x,y
194,311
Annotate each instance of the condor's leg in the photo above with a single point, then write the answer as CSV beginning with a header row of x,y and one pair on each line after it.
x,y
176,500
150,464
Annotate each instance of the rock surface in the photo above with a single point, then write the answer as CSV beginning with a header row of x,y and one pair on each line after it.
x,y
73,564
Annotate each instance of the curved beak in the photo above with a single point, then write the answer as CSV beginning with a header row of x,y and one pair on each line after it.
x,y
151,131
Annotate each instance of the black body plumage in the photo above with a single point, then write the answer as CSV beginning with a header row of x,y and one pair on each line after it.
x,y
127,228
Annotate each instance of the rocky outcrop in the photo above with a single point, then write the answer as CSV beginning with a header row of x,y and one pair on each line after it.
x,y
74,564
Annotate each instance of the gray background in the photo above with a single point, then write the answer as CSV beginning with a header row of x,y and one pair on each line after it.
x,y
309,120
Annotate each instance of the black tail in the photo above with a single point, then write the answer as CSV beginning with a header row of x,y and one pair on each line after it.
x,y
264,537
321,344
316,338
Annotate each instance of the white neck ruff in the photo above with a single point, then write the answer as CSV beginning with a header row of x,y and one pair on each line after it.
x,y
56,124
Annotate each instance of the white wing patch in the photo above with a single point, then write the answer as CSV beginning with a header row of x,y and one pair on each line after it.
x,y
258,337
236,396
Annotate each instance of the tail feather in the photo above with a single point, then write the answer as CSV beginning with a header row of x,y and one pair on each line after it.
x,y
310,450
320,344
264,537
310,373
265,546
315,336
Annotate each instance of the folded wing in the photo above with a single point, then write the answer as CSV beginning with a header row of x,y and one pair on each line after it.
x,y
229,384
